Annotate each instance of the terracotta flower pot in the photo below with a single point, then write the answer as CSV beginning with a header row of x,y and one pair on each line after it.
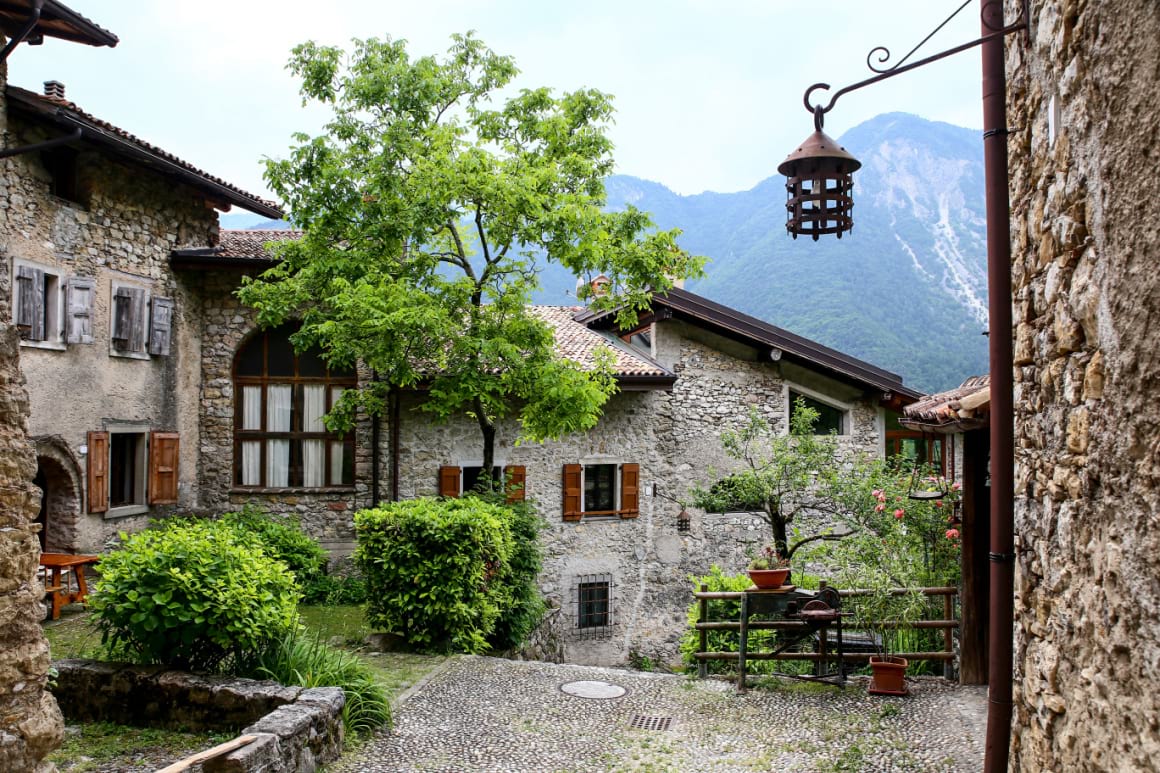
x,y
767,579
888,675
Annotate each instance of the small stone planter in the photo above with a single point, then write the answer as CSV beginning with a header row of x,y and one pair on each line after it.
x,y
296,729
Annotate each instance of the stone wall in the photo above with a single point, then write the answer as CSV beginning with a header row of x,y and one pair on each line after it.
x,y
297,729
30,722
1084,95
122,231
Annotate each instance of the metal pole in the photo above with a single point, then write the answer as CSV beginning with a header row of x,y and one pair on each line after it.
x,y
1002,421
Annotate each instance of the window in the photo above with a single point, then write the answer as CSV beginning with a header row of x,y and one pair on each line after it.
x,y
601,489
130,468
910,445
456,480
280,399
831,419
61,165
37,309
594,605
127,316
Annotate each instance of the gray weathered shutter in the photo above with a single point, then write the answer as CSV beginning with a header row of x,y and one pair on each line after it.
x,y
80,295
137,333
30,313
160,326
122,318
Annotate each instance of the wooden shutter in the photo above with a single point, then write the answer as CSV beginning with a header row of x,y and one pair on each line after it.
x,y
629,490
515,475
573,493
98,463
79,325
160,326
122,318
30,304
449,481
163,453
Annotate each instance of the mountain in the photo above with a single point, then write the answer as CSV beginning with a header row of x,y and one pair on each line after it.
x,y
905,290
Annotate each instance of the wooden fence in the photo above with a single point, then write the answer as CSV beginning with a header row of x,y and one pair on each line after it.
x,y
948,623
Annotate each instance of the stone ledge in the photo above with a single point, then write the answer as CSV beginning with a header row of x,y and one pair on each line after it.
x,y
297,729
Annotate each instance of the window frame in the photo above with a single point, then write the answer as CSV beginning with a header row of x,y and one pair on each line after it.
x,y
140,503
119,283
589,624
296,435
846,409
617,476
53,299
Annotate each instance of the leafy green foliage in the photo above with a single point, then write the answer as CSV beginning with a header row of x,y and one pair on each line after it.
x,y
443,574
305,661
192,595
283,540
522,606
786,475
425,205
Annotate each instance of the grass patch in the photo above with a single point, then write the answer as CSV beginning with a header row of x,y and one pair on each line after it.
x,y
347,625
88,747
73,636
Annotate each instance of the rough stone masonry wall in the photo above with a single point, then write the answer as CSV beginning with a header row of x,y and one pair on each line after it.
x,y
1086,253
30,722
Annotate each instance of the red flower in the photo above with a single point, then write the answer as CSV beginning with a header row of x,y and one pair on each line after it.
x,y
938,503
952,534
899,513
879,508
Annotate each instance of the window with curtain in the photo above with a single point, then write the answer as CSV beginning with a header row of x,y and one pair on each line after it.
x,y
281,397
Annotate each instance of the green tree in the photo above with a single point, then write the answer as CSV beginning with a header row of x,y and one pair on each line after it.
x,y
425,206
785,476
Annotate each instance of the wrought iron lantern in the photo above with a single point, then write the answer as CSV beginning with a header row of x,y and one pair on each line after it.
x,y
819,185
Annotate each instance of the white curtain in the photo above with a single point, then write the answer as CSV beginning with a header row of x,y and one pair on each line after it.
x,y
252,449
278,401
336,449
313,451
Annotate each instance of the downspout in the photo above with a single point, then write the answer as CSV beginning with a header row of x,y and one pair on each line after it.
x,y
1002,556
25,31
376,425
395,413
45,145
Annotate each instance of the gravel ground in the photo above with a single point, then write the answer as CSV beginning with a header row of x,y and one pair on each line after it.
x,y
485,714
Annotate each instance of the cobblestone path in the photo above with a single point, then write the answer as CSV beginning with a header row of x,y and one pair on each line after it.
x,y
485,714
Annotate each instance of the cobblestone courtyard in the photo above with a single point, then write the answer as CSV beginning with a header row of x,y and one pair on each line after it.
x,y
484,714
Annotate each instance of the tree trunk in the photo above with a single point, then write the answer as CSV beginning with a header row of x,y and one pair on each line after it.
x,y
487,429
780,540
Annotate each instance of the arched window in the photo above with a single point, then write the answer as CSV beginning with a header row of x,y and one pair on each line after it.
x,y
280,399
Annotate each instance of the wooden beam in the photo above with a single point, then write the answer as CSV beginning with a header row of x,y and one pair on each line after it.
x,y
208,754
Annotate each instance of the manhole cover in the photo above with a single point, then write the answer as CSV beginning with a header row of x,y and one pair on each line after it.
x,y
642,722
593,689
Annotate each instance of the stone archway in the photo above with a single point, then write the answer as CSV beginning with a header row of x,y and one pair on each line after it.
x,y
58,474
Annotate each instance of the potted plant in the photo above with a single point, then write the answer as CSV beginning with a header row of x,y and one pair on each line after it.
x,y
768,569
881,612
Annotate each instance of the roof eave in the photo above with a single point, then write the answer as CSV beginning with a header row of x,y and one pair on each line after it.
x,y
61,22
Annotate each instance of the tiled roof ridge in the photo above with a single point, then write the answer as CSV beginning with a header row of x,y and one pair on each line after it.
x,y
25,95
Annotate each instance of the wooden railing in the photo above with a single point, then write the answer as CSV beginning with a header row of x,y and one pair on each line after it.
x,y
948,624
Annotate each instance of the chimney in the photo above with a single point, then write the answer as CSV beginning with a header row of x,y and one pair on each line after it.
x,y
54,89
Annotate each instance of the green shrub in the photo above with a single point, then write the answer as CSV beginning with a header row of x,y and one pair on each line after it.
x,y
521,605
283,539
305,661
437,570
192,595
337,590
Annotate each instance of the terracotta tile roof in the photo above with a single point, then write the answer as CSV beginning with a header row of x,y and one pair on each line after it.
x,y
56,21
251,245
576,341
962,408
67,115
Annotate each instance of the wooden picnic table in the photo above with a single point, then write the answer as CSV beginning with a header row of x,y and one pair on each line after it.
x,y
64,579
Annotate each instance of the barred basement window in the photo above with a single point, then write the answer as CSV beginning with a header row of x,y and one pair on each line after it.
x,y
594,606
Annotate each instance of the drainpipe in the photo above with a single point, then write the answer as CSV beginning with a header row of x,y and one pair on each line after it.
x,y
1002,555
25,31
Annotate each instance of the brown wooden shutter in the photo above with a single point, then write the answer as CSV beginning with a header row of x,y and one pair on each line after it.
x,y
160,326
98,463
122,318
79,298
163,453
449,481
515,475
629,490
573,493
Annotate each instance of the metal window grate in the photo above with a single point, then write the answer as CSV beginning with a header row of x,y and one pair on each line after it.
x,y
644,722
593,598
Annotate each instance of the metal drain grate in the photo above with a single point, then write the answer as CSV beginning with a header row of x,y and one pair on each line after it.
x,y
643,722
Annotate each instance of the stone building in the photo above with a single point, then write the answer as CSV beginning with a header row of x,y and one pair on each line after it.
x,y
110,335
618,550
1085,90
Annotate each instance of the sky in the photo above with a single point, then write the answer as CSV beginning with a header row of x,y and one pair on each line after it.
x,y
708,93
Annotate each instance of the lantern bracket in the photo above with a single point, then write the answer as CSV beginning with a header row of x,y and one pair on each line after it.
x,y
991,9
